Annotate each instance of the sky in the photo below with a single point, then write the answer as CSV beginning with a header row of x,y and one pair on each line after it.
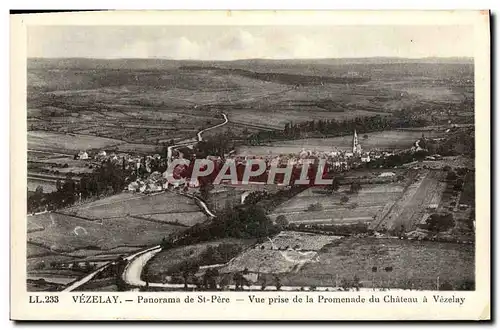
x,y
244,42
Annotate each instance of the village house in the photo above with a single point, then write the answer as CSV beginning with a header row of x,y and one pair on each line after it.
x,y
83,155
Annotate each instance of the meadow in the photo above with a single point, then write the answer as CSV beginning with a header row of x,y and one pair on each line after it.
x,y
415,264
365,206
166,262
161,100
426,190
104,229
63,233
284,253
385,140
129,204
67,143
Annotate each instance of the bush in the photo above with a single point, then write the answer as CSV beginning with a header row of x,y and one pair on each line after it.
x,y
344,199
220,254
467,285
282,221
458,184
452,176
440,222
355,188
445,286
315,207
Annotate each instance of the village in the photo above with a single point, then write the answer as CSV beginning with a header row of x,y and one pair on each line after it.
x,y
151,173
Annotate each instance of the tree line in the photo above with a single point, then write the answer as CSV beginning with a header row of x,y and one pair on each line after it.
x,y
332,127
108,179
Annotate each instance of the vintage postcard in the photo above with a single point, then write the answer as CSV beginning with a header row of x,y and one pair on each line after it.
x,y
231,165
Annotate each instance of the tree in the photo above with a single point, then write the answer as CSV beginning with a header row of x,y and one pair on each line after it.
x,y
39,190
355,187
459,183
335,184
205,188
344,199
315,207
365,136
188,269
277,282
452,176
282,221
356,282
445,286
440,222
467,285
239,281
210,279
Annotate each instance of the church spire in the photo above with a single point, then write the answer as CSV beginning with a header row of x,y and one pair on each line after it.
x,y
356,147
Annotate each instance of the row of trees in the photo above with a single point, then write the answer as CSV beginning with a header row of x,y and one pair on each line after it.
x,y
105,180
460,142
242,221
332,127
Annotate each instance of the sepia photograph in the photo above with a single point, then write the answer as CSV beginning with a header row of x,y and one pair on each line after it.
x,y
241,157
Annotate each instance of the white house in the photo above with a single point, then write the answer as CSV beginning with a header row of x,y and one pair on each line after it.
x,y
83,155
365,158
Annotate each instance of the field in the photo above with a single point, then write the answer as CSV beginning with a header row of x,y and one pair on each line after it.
x,y
186,219
102,230
158,100
279,117
135,106
287,252
119,220
33,250
44,169
414,264
66,143
452,161
407,211
167,261
64,233
386,140
297,241
55,276
128,204
365,206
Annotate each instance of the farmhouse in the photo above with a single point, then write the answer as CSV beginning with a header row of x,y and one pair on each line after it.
x,y
83,155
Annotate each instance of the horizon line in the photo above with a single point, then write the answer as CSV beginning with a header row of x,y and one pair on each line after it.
x,y
256,58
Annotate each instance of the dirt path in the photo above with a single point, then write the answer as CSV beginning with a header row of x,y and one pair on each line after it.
x,y
198,138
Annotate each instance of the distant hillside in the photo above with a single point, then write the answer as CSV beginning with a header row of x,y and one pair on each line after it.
x,y
282,78
158,64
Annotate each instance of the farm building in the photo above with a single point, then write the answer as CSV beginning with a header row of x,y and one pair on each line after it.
x,y
83,155
387,174
432,206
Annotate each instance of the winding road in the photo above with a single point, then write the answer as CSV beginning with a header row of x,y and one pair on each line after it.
x,y
137,260
198,138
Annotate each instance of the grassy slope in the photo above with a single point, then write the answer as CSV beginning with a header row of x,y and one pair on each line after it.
x,y
420,262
